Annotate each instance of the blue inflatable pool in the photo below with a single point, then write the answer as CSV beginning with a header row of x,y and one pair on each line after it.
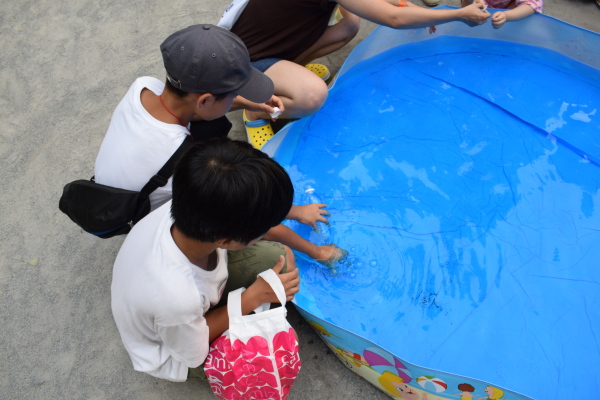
x,y
462,172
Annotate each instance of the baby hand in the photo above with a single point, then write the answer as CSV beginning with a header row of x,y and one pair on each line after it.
x,y
498,19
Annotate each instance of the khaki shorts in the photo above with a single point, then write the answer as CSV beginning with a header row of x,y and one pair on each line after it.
x,y
245,265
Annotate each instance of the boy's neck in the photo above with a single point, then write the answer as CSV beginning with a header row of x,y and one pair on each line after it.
x,y
197,252
162,112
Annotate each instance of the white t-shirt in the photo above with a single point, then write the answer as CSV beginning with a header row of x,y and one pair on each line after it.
x,y
159,299
137,145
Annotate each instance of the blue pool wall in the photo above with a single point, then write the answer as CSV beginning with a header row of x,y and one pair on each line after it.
x,y
538,30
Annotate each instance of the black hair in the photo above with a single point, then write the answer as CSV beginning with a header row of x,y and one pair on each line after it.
x,y
182,95
227,189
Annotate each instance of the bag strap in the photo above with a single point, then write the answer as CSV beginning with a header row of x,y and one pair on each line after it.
x,y
234,303
234,298
162,177
272,279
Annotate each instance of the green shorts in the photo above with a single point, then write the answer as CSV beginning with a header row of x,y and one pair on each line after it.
x,y
245,265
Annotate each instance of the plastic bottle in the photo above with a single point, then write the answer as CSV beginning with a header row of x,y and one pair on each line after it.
x,y
322,235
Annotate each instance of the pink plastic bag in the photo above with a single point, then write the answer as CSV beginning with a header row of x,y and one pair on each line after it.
x,y
257,358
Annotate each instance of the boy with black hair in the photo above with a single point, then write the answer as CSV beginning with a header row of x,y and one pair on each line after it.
x,y
207,68
180,261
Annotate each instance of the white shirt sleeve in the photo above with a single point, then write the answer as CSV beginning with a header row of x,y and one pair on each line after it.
x,y
187,343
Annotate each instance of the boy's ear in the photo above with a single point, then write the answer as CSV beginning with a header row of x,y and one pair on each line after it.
x,y
223,243
204,100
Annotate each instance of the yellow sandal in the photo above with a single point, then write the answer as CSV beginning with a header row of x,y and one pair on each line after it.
x,y
320,70
258,132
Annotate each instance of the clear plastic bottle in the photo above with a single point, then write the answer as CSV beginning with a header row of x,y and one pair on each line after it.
x,y
322,236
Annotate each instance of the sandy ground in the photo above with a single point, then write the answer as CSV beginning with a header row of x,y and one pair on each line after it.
x,y
64,66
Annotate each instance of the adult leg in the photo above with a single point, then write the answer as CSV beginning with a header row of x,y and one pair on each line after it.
x,y
334,38
302,92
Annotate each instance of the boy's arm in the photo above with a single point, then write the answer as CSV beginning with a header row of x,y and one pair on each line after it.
x,y
386,13
258,293
240,103
309,214
218,319
284,235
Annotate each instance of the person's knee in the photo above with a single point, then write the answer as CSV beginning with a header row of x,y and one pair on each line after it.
x,y
273,250
290,260
314,96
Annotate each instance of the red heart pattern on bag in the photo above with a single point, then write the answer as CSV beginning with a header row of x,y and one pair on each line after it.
x,y
246,371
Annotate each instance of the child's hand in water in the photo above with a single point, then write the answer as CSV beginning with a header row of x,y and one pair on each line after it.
x,y
329,255
309,214
498,19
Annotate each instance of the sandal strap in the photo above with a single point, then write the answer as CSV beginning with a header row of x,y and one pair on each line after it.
x,y
257,124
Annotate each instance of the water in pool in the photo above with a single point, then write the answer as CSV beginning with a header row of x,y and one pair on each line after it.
x,y
463,177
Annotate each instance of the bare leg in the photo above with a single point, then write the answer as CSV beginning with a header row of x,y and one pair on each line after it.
x,y
290,260
288,237
334,38
302,92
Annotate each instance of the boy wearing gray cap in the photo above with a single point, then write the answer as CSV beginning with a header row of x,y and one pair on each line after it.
x,y
207,67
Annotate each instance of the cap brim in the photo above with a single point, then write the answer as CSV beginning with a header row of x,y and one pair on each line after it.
x,y
258,89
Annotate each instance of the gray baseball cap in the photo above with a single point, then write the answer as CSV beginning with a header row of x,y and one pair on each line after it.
x,y
209,59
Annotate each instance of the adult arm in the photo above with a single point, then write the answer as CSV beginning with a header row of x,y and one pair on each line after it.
x,y
258,293
386,12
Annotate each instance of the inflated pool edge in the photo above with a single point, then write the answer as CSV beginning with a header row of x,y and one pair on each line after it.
x,y
390,373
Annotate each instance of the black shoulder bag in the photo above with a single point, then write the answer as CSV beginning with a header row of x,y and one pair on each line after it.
x,y
106,211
